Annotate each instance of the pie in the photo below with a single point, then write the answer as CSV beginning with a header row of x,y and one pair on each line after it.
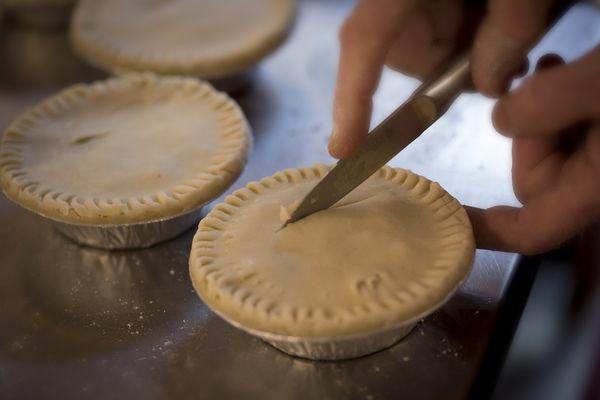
x,y
389,253
125,150
210,38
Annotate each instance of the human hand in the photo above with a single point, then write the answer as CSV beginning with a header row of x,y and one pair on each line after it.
x,y
554,120
414,37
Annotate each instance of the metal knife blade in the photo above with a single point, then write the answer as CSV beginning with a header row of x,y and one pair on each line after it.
x,y
404,125
382,144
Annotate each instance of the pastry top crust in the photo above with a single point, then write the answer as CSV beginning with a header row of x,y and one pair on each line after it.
x,y
125,150
390,252
209,38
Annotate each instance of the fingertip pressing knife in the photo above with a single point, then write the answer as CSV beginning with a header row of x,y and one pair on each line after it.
x,y
426,105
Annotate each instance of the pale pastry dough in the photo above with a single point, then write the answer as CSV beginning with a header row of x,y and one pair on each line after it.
x,y
125,150
390,252
209,38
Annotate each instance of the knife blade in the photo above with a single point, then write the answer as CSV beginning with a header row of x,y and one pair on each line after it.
x,y
386,140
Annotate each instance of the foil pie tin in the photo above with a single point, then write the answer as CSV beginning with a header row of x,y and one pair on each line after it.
x,y
332,348
342,347
129,236
126,236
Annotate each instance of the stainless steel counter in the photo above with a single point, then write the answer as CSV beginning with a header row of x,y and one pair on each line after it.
x,y
84,323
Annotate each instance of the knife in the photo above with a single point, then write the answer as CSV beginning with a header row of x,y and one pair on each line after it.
x,y
425,106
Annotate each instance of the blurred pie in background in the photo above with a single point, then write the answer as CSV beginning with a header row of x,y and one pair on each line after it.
x,y
209,38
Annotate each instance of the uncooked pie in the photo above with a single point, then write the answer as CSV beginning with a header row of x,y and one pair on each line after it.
x,y
390,252
126,150
209,38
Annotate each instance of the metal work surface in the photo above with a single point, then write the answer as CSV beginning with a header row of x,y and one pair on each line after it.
x,y
84,323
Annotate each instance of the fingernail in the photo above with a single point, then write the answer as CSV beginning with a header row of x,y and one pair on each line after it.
x,y
500,118
333,142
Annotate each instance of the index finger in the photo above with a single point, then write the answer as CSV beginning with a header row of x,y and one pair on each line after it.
x,y
365,39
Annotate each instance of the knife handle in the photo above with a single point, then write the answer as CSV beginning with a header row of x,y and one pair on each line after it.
x,y
444,87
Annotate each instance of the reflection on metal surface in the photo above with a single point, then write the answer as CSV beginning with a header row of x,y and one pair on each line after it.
x,y
89,301
433,359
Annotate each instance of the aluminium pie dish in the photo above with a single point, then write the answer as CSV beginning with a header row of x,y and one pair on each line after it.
x,y
124,154
339,283
209,39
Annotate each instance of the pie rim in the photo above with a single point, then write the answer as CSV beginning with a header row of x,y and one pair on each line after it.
x,y
180,198
202,254
106,55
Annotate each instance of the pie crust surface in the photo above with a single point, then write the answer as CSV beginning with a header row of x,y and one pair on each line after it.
x,y
125,150
208,38
390,252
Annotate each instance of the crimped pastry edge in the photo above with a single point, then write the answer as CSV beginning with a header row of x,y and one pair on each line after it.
x,y
212,286
185,196
110,57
